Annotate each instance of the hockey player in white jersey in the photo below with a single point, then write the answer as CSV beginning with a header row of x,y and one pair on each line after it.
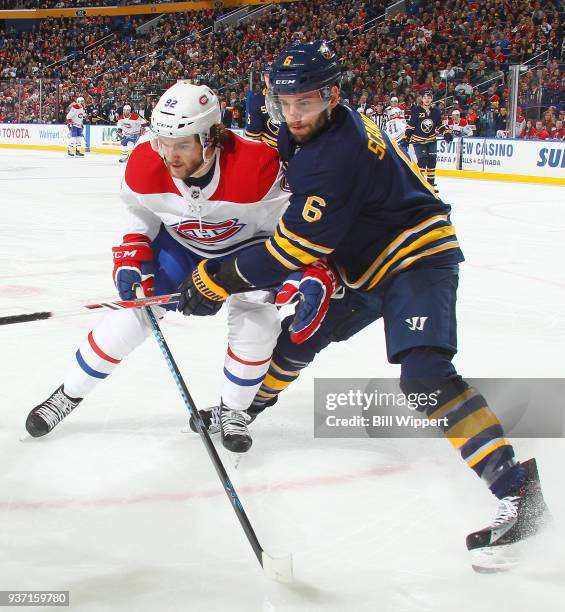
x,y
75,123
396,126
458,125
192,190
130,127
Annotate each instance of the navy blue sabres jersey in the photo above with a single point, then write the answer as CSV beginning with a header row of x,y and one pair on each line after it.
x,y
422,125
259,125
357,200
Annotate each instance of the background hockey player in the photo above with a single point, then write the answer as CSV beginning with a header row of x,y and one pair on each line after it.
x,y
357,201
396,126
188,196
75,123
259,126
459,125
130,127
421,129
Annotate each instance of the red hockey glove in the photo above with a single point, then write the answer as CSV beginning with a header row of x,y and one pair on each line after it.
x,y
133,265
313,288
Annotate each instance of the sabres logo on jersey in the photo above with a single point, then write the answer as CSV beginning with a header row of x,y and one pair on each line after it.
x,y
427,126
207,232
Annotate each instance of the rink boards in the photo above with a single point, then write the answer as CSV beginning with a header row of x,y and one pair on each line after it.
x,y
538,161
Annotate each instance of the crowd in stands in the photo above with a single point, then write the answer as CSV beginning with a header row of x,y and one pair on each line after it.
x,y
49,4
461,49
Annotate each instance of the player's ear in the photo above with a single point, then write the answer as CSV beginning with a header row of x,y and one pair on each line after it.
x,y
334,95
154,144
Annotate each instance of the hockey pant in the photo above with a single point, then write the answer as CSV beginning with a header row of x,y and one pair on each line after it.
x,y
426,155
128,143
418,309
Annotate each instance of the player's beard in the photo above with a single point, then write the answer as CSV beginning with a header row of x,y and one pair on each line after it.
x,y
186,170
315,127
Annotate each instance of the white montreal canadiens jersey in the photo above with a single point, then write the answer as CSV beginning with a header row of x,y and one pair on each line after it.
x,y
240,206
131,125
396,124
76,115
461,128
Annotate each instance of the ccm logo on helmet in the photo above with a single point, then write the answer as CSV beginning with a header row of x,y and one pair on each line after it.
x,y
285,81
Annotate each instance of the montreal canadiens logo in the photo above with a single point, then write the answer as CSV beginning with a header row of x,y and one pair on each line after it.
x,y
209,233
203,99
427,126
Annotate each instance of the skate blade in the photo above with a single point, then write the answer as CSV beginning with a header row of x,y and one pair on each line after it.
x,y
186,430
494,559
277,568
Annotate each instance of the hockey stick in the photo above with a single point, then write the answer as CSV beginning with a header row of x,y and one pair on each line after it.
x,y
275,568
157,300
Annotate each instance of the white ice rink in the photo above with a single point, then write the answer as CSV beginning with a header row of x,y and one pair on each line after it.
x,y
125,512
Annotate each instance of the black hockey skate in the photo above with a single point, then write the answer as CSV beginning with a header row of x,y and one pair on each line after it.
x,y
233,429
45,416
211,418
79,154
520,515
70,153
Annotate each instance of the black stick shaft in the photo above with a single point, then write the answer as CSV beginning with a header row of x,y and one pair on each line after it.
x,y
212,453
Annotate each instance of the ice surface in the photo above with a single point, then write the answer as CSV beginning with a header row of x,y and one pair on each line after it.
x,y
125,512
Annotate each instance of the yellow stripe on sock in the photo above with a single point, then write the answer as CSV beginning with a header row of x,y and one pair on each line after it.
x,y
471,426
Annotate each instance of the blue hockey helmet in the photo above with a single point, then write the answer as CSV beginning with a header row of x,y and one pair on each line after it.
x,y
302,68
305,67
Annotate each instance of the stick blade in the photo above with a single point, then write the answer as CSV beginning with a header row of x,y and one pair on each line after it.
x,y
278,568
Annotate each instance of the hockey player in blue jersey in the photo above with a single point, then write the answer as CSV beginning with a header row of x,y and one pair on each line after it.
x,y
421,130
259,126
358,205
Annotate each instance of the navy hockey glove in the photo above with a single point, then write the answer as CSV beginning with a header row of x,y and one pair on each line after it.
x,y
448,136
133,265
313,288
201,294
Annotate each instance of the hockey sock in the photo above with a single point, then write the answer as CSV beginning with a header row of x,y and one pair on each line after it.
x,y
474,430
279,376
467,421
431,175
243,375
115,336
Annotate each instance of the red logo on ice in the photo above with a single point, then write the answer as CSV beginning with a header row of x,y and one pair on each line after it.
x,y
209,233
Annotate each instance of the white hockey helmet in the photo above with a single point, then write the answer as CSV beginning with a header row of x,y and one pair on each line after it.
x,y
394,101
394,112
456,113
186,110
127,107
80,100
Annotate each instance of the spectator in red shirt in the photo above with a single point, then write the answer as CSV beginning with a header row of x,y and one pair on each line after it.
x,y
541,132
528,131
557,132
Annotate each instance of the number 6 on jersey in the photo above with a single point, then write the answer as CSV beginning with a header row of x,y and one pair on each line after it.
x,y
311,212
